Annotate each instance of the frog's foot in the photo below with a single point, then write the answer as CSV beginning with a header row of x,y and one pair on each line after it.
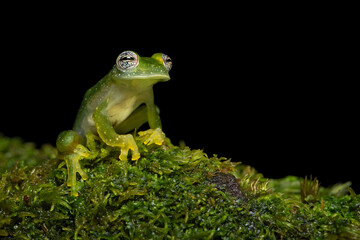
x,y
128,143
73,166
68,143
150,136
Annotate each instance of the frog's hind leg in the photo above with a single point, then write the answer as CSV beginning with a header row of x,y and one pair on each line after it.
x,y
68,143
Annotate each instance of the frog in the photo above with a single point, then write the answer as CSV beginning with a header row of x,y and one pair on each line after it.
x,y
122,101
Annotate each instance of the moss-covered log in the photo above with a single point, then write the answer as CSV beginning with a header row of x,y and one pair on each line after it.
x,y
171,192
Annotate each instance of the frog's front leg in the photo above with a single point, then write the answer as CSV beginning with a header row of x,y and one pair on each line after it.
x,y
108,134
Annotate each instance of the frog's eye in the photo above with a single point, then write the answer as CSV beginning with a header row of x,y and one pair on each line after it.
x,y
127,60
167,61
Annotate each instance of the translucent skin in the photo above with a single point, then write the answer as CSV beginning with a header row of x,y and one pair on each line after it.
x,y
120,102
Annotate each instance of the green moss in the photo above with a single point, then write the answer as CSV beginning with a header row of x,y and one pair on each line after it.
x,y
171,192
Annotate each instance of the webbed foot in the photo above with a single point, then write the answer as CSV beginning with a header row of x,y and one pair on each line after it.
x,y
156,136
73,166
68,143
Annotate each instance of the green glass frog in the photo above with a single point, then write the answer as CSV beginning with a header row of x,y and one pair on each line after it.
x,y
121,101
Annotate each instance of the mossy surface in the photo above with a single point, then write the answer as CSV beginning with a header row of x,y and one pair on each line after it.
x,y
171,192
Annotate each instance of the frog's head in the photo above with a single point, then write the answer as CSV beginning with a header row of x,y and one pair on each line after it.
x,y
141,72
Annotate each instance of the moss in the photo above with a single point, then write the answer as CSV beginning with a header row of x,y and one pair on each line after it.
x,y
171,192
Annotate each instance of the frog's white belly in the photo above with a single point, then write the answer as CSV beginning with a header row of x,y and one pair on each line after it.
x,y
119,112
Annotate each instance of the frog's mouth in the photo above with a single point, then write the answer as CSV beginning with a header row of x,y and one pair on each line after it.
x,y
156,78
147,81
142,81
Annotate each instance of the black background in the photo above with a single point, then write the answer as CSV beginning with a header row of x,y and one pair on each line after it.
x,y
272,92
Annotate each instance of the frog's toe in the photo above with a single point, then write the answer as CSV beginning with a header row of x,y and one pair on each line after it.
x,y
158,140
129,144
75,193
124,154
135,154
